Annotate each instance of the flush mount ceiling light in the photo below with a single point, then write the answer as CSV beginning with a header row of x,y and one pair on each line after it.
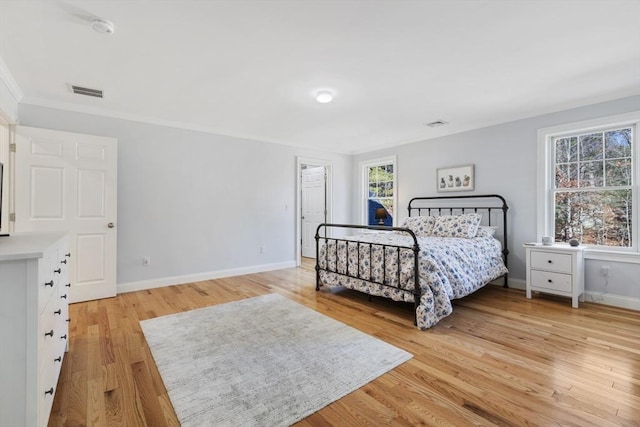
x,y
324,96
102,26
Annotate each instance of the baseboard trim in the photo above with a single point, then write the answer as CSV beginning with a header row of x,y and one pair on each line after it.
x,y
198,277
618,301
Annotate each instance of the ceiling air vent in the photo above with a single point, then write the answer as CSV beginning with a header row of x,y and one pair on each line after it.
x,y
437,123
79,90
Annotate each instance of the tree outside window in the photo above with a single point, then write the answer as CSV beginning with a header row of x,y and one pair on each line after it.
x,y
593,187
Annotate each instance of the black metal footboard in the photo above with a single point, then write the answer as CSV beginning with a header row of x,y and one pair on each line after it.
x,y
367,275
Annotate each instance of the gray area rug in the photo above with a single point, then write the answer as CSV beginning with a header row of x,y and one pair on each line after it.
x,y
263,361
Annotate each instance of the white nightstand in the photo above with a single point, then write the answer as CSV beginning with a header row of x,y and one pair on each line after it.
x,y
557,269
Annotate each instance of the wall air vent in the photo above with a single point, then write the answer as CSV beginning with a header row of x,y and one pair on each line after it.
x,y
437,123
79,90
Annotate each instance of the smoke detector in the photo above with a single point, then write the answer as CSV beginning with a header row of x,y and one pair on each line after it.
x,y
102,26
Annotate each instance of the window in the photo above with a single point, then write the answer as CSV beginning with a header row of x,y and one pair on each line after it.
x,y
379,187
590,171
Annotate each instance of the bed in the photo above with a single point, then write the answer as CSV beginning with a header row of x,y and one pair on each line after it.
x,y
447,248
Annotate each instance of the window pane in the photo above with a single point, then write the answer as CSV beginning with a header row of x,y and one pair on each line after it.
x,y
566,150
373,174
591,174
594,217
618,143
591,146
567,175
618,172
373,190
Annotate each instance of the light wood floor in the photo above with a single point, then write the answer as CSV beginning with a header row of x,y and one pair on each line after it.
x,y
499,359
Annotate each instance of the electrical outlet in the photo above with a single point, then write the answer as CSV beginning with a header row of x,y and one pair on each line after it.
x,y
604,271
146,261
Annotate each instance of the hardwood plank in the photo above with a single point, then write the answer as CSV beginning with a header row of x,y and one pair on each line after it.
x,y
499,359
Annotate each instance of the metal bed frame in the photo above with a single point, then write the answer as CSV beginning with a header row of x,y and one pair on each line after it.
x,y
433,206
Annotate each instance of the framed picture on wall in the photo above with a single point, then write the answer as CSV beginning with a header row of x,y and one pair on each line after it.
x,y
456,178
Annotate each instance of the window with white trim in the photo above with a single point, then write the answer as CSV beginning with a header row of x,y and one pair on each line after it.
x,y
590,184
379,188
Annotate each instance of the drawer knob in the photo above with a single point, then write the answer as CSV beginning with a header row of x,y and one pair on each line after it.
x,y
549,261
58,311
68,255
550,281
68,320
63,296
68,285
50,391
58,359
64,337
58,271
49,284
50,333
64,261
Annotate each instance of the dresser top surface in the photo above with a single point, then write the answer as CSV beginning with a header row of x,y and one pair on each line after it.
x,y
26,245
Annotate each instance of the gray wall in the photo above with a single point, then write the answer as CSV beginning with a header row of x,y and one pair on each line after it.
x,y
505,163
198,202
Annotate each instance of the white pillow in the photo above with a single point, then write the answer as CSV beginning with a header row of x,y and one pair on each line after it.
x,y
420,225
465,225
486,231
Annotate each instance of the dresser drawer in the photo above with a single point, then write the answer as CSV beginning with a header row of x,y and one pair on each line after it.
x,y
48,325
551,261
46,279
552,281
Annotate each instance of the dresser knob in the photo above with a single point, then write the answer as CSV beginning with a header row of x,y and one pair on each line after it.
x,y
58,359
68,285
64,337
50,333
68,255
49,283
58,311
50,391
58,271
64,261
63,296
550,281
550,262
68,320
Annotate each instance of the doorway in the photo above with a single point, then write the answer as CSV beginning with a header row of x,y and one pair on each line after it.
x,y
313,203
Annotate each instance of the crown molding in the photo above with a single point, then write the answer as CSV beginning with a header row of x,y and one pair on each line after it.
x,y
102,112
10,82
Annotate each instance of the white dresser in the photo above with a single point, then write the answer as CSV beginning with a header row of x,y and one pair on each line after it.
x,y
556,269
34,327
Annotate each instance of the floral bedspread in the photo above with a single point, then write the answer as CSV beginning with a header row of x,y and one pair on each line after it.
x,y
449,268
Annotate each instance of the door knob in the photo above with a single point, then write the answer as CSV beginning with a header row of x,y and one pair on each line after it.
x,y
110,225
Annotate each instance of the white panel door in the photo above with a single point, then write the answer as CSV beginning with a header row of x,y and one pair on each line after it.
x,y
313,207
67,182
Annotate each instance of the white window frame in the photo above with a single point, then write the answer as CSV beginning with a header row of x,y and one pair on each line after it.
x,y
545,200
364,185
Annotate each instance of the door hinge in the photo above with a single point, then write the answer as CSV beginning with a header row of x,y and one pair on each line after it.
x,y
12,147
12,217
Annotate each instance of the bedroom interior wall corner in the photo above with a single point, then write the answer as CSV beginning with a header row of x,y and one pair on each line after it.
x,y
10,93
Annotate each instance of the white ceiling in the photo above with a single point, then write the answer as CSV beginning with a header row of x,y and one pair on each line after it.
x,y
250,68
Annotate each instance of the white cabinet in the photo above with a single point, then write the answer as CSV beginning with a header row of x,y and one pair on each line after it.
x,y
33,324
556,270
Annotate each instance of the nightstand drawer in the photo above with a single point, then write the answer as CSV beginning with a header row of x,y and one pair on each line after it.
x,y
551,261
553,281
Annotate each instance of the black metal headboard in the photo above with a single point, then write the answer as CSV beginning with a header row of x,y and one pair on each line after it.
x,y
439,205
